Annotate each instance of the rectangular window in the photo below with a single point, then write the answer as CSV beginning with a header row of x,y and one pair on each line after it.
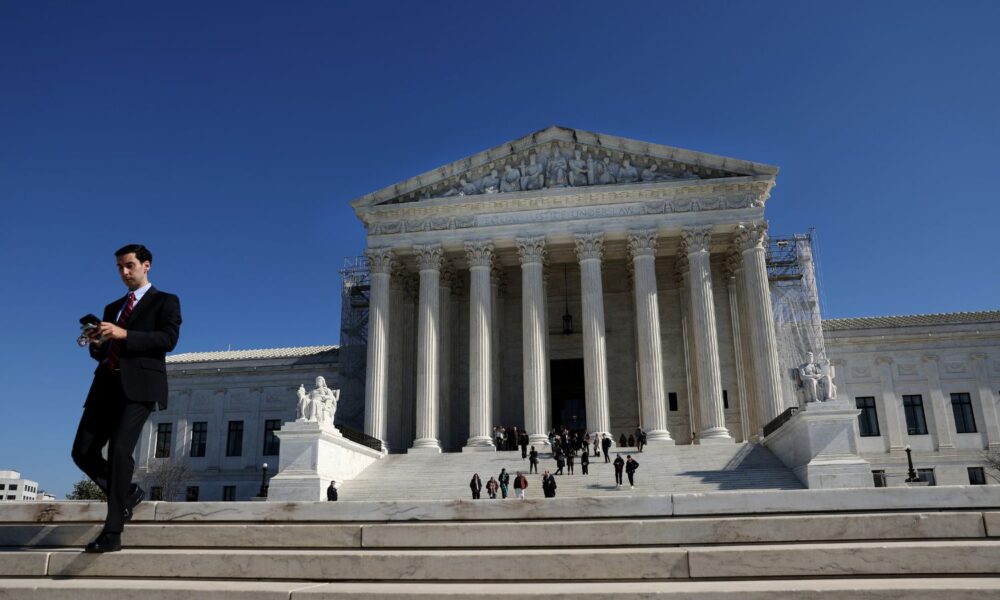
x,y
12,487
965,421
672,399
156,493
192,493
868,419
271,441
879,477
977,476
234,439
3,486
725,399
927,475
12,497
913,406
229,493
199,438
163,435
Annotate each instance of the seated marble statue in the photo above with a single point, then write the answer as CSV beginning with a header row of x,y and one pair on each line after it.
x,y
578,171
325,401
555,170
628,174
532,177
651,174
304,408
602,172
491,183
511,181
469,188
817,381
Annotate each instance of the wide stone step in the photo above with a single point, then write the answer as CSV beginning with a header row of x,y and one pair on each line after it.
x,y
849,559
953,588
541,534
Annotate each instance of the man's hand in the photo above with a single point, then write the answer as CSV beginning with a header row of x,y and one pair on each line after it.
x,y
111,331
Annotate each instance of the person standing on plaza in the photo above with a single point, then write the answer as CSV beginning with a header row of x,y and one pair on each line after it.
x,y
640,438
606,446
560,463
491,488
331,492
570,460
524,444
585,460
520,485
533,461
504,483
630,466
619,467
476,485
130,345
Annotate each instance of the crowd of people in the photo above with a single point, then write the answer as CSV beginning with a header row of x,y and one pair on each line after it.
x,y
568,448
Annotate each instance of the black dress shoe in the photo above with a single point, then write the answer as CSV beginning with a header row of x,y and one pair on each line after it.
x,y
135,496
106,542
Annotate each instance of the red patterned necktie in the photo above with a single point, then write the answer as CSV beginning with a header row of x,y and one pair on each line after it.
x,y
115,346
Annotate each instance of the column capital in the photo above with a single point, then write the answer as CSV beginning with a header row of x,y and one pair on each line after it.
x,y
589,246
696,239
531,250
430,257
642,242
750,236
479,253
380,260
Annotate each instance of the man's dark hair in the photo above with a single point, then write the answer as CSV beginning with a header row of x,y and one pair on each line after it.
x,y
142,253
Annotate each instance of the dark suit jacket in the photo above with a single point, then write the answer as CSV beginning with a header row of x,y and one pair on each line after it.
x,y
153,328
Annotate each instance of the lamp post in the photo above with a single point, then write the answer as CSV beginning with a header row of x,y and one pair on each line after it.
x,y
263,482
912,473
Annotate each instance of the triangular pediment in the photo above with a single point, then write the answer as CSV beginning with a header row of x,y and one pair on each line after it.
x,y
561,157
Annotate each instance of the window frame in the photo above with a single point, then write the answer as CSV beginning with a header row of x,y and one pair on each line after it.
x,y
871,418
272,445
199,435
914,419
164,439
963,412
234,439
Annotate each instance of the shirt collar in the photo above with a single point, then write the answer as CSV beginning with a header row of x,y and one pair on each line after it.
x,y
139,293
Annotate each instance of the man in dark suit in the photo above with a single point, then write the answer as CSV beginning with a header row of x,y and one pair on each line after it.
x,y
130,346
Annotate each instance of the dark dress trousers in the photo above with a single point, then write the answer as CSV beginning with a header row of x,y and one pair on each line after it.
x,y
120,400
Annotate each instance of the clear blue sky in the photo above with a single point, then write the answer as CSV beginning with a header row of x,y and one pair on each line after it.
x,y
229,138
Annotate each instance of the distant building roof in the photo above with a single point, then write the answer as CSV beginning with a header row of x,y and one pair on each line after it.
x,y
259,354
956,318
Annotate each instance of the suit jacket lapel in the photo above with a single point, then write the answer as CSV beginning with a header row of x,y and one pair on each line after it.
x,y
147,299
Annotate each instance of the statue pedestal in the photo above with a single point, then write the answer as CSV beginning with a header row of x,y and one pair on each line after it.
x,y
820,444
311,456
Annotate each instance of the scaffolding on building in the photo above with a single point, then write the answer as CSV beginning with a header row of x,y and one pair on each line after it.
x,y
355,291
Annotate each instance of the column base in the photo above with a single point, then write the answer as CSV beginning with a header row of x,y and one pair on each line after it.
x,y
660,436
538,439
717,435
425,446
479,444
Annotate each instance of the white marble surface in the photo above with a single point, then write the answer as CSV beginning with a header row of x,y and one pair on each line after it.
x,y
992,522
312,455
149,589
66,510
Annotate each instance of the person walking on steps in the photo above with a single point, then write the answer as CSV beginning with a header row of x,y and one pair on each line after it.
x,y
504,483
548,485
630,466
606,446
331,492
533,461
491,488
476,485
619,467
520,485
584,460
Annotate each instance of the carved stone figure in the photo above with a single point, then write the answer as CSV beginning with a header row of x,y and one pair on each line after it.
x,y
817,380
628,174
318,405
468,188
578,170
555,171
602,172
511,181
651,174
491,183
533,178
304,406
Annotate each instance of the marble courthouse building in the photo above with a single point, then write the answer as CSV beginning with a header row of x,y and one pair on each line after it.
x,y
649,261
577,279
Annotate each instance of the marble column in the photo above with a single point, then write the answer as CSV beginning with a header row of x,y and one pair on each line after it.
x,y
892,406
981,367
751,240
429,262
642,248
733,275
447,290
944,418
480,257
497,287
687,339
713,419
380,263
748,358
531,252
589,251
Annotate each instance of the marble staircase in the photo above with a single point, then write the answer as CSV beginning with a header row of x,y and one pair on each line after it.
x,y
861,543
662,470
